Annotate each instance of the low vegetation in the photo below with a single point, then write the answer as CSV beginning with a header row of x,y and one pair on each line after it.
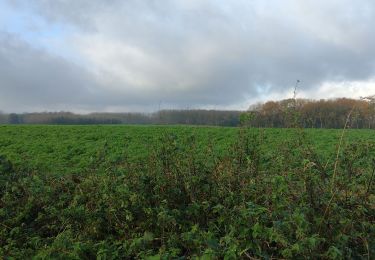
x,y
107,192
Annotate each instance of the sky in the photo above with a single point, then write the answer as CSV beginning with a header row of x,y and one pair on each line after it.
x,y
144,55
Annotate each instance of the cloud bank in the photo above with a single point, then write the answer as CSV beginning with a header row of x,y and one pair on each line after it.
x,y
134,55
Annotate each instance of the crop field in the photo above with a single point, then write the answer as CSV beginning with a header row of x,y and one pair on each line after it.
x,y
166,192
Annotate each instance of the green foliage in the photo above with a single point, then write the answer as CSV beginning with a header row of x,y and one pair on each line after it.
x,y
179,192
5,165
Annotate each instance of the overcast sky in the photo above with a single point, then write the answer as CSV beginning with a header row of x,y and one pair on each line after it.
x,y
139,55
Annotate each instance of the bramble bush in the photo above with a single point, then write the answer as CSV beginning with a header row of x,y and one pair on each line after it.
x,y
184,202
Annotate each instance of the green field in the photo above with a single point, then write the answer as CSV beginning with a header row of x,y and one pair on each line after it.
x,y
71,149
80,192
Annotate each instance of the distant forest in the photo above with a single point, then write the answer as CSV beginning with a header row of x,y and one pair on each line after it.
x,y
332,113
189,117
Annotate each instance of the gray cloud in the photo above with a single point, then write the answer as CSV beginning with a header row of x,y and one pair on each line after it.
x,y
33,78
190,52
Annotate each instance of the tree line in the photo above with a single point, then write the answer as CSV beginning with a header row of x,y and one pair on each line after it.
x,y
324,113
190,117
331,113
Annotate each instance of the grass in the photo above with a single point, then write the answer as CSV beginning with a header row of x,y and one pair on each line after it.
x,y
65,149
80,192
